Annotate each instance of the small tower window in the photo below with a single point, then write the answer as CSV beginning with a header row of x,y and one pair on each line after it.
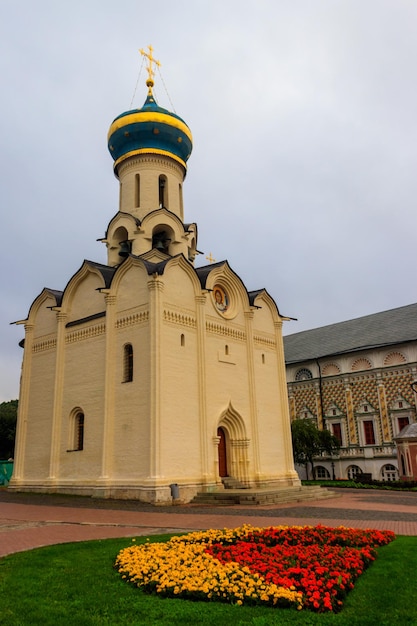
x,y
181,200
182,340
226,349
137,190
128,363
163,190
263,359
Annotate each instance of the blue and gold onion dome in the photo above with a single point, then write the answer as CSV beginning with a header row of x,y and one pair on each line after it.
x,y
149,130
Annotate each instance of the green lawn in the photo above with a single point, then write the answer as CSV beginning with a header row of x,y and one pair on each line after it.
x,y
75,584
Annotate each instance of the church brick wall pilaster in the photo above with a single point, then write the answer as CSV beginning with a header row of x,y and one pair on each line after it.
x,y
283,407
156,288
109,388
202,399
252,393
57,416
21,428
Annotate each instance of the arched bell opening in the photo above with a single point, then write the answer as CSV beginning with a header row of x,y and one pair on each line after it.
x,y
162,238
119,246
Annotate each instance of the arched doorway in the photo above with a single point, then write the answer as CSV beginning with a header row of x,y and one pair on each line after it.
x,y
222,453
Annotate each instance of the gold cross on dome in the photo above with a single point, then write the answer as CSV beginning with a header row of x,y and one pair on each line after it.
x,y
149,68
210,258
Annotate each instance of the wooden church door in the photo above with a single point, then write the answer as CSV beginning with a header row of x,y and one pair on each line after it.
x,y
222,453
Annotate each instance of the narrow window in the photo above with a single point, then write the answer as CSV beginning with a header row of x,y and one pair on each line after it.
x,y
181,201
137,190
402,422
337,432
263,359
128,363
182,340
403,467
368,429
79,431
162,191
226,350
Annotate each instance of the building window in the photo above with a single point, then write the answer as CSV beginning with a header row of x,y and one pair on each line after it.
x,y
389,473
402,423
128,363
303,374
263,359
181,200
137,190
337,432
321,473
226,350
79,432
182,340
353,471
369,433
162,191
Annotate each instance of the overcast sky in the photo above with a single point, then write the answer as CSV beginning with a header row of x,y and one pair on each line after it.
x,y
303,173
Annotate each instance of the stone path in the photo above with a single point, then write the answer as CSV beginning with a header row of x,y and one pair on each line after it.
x,y
33,520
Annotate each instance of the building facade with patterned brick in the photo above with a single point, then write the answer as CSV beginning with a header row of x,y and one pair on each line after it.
x,y
357,379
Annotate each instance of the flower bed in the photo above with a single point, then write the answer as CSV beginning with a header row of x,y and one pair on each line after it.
x,y
287,566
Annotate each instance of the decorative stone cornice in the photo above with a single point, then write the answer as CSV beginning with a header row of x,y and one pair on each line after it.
x,y
42,346
156,284
265,341
86,333
141,317
225,331
174,317
132,163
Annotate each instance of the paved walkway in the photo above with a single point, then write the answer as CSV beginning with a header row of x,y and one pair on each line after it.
x,y
33,520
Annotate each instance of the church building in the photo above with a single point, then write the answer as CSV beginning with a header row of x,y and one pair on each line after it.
x,y
147,373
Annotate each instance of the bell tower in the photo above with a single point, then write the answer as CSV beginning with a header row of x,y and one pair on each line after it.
x,y
150,148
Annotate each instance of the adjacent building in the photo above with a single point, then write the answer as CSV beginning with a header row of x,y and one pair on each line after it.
x,y
357,378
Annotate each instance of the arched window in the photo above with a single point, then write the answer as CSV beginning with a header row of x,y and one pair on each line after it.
x,y
321,473
79,432
353,471
128,363
303,374
182,340
389,473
